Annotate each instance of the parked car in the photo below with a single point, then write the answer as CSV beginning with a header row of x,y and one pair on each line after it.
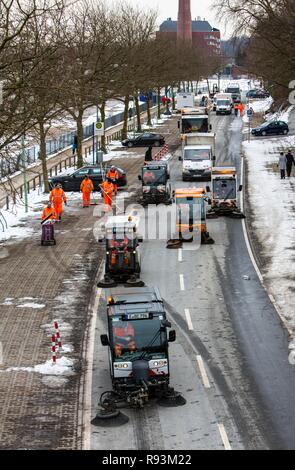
x,y
271,128
72,181
145,140
261,94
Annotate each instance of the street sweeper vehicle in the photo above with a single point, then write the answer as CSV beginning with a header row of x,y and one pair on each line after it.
x,y
190,217
156,187
122,264
225,190
198,156
138,340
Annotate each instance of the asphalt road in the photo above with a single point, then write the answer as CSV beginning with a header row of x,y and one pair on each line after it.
x,y
230,360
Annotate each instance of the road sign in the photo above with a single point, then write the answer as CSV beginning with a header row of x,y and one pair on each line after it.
x,y
250,112
99,128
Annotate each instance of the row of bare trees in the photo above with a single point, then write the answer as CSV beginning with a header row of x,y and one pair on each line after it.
x,y
270,25
59,58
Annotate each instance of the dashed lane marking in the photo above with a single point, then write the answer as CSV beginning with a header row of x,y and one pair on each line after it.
x,y
224,437
188,319
203,372
180,255
181,280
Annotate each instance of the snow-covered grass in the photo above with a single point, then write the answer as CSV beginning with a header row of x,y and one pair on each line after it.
x,y
272,201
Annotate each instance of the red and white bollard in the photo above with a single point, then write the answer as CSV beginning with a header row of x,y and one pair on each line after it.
x,y
57,335
53,350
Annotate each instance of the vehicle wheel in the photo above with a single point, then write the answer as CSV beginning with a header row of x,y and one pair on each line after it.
x,y
157,144
42,243
263,133
130,145
285,132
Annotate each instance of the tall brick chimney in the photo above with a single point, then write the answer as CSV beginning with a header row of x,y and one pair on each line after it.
x,y
184,25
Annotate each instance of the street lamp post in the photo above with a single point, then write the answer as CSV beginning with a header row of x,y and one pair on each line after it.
x,y
24,173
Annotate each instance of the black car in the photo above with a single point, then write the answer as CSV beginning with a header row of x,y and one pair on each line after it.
x,y
72,181
260,94
145,140
271,128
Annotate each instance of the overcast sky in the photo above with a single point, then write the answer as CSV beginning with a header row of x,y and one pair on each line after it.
x,y
169,8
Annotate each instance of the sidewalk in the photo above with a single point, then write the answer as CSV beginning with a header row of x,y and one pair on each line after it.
x,y
271,218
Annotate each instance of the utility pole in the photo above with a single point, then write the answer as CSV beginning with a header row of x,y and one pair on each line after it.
x,y
24,172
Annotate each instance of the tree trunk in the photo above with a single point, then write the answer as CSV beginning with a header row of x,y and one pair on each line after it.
x,y
79,123
173,99
179,87
43,156
159,102
102,109
167,102
208,86
125,122
192,87
139,129
148,104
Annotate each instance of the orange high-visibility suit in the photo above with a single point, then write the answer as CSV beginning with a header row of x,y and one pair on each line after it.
x,y
86,188
107,192
48,213
114,175
57,197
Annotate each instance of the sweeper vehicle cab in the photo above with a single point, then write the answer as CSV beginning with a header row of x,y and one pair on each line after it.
x,y
156,188
190,217
225,193
122,264
138,341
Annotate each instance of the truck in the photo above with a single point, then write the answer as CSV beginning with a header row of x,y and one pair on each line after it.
x,y
225,193
138,341
198,156
235,92
224,103
194,122
185,100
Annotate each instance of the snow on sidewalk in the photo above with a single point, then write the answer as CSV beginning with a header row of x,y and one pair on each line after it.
x,y
272,203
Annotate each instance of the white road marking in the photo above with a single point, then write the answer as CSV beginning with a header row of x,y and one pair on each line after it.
x,y
203,372
188,319
181,279
89,373
180,255
224,437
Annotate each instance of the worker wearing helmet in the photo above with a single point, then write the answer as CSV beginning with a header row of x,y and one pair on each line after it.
x,y
86,188
113,175
57,197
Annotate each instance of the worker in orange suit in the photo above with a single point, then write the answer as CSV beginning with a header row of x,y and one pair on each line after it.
x,y
86,188
113,175
107,189
48,212
57,197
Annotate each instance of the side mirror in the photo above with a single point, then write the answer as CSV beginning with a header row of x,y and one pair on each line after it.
x,y
208,189
173,193
210,127
140,239
214,158
104,340
180,159
178,124
139,177
209,202
241,188
172,336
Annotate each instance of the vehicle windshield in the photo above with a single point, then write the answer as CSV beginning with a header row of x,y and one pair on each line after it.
x,y
131,338
224,189
195,124
223,102
190,210
266,124
153,177
233,90
197,154
120,240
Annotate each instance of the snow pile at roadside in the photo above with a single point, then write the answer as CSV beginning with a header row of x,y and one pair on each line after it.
x,y
63,366
272,202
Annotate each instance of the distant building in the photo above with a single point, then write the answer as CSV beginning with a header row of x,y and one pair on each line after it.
x,y
199,32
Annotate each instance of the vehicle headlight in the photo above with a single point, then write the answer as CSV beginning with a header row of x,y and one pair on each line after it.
x,y
146,189
121,365
186,170
159,363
